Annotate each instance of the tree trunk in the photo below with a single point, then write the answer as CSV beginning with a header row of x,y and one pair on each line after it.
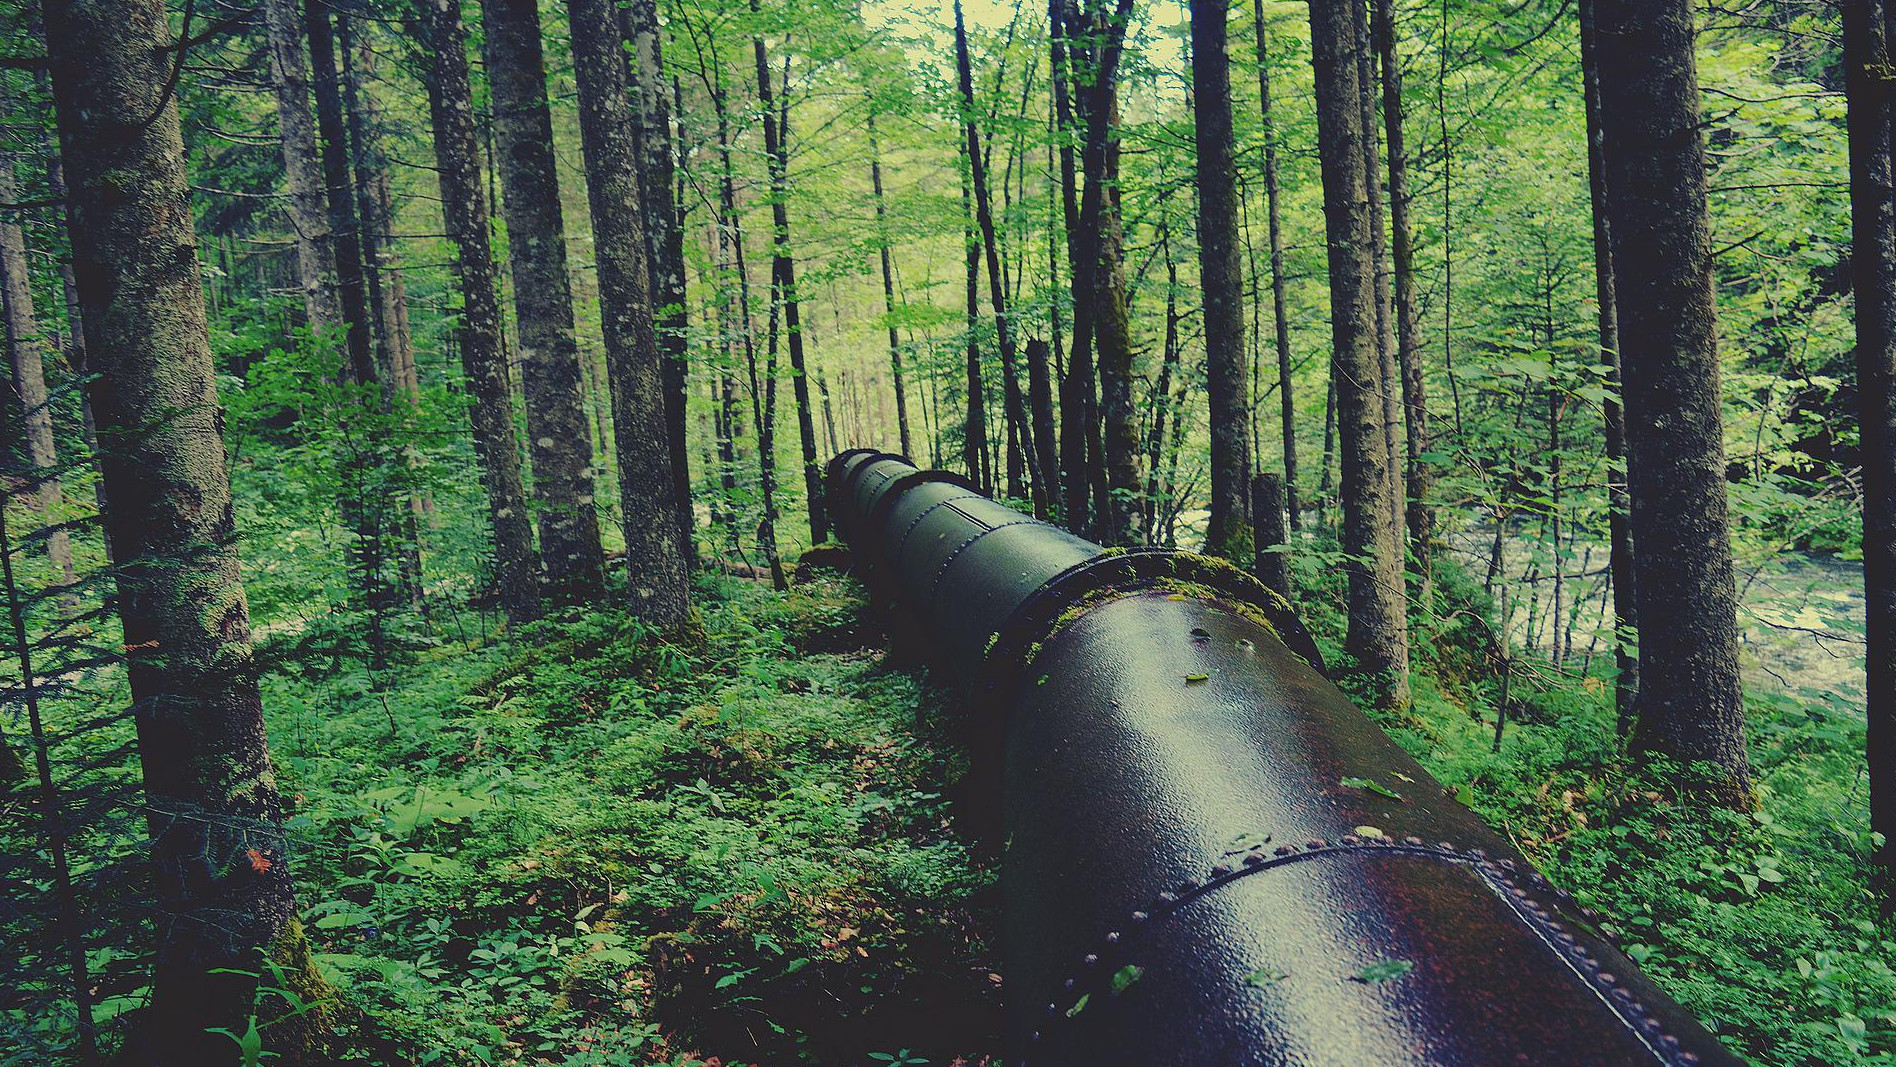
x,y
339,193
1014,406
483,357
26,347
219,871
888,288
572,562
1619,529
1420,517
1689,697
1227,381
1076,389
664,237
1378,630
1279,305
974,430
1379,253
1873,217
783,275
648,499
1162,391
303,169
1267,511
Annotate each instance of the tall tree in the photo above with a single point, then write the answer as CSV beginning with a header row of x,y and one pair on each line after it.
x,y
664,236
974,442
1013,405
1280,314
655,561
339,194
302,168
1227,376
26,349
218,850
1378,629
1077,454
886,253
783,274
1619,528
483,356
1689,698
1873,223
1419,516
572,562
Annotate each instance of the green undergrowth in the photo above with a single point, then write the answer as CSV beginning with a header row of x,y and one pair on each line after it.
x,y
582,846
1763,923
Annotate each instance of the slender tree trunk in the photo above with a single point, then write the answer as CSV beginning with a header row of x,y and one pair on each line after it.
x,y
655,563
1222,278
1619,529
339,193
1013,404
1162,392
1076,389
483,357
26,347
572,561
1389,383
1267,511
784,280
974,432
1689,697
1378,637
664,235
219,871
303,169
884,251
1866,35
1279,304
1419,516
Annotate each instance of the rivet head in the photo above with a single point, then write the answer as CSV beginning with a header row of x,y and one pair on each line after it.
x,y
1350,840
1052,1008
1167,897
1508,865
1112,938
1412,840
1445,846
1688,1058
1221,870
1315,843
1139,916
1068,984
1669,1040
1284,850
1187,886
1478,853
1253,859
1608,978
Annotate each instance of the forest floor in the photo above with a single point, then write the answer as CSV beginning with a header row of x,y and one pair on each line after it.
x,y
577,846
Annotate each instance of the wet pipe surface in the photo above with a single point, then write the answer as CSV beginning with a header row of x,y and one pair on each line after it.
x,y
1212,856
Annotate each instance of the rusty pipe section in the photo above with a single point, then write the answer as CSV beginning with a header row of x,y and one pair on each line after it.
x,y
1211,856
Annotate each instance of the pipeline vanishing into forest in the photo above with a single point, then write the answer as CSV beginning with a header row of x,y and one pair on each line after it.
x,y
1211,856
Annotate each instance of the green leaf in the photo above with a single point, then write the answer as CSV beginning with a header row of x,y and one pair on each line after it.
x,y
1125,976
1373,786
1384,971
1264,976
1194,679
1079,1005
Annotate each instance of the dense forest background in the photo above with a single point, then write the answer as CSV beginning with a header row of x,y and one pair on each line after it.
x,y
559,785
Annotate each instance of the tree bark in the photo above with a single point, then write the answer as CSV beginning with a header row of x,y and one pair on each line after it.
x,y
1279,304
1420,517
220,876
26,348
572,562
655,563
339,193
1077,456
783,275
885,253
1872,104
1013,405
1227,375
1689,698
1267,511
1379,251
1378,629
483,357
303,169
974,443
664,236
1619,529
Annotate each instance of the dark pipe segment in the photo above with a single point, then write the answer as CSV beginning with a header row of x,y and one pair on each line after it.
x,y
1212,857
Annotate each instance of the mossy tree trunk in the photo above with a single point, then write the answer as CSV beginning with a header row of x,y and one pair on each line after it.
x,y
483,354
573,565
655,561
1378,629
1689,696
220,879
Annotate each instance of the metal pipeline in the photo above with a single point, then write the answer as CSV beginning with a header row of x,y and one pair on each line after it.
x,y
1211,856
